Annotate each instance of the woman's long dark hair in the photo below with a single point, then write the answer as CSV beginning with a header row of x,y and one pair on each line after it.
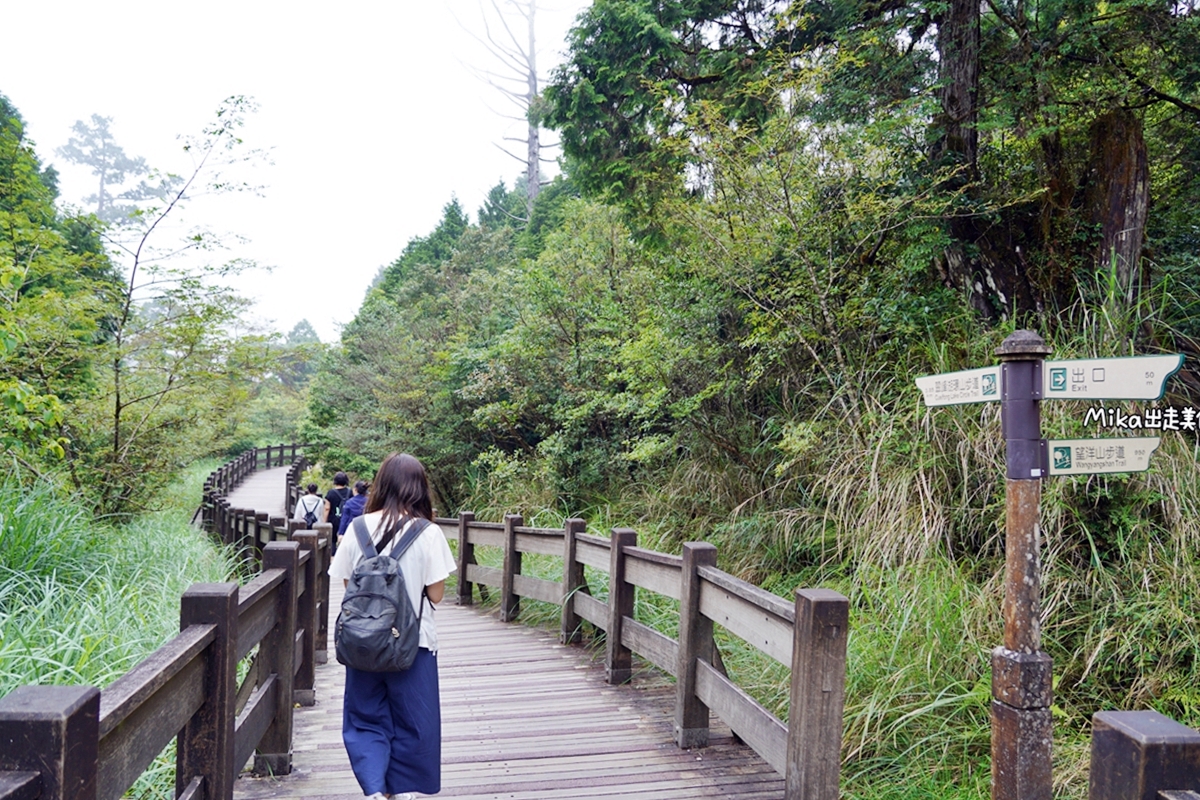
x,y
400,488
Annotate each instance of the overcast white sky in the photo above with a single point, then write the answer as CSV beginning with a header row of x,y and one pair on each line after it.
x,y
372,113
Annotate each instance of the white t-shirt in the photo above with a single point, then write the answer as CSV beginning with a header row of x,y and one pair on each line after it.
x,y
308,503
427,561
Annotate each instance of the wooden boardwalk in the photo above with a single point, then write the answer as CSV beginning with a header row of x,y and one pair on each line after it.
x,y
525,718
263,491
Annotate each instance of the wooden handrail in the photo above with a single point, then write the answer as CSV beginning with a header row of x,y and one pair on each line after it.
x,y
808,635
77,742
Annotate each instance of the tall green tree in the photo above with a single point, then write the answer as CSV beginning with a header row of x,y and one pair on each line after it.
x,y
180,354
56,300
123,181
636,68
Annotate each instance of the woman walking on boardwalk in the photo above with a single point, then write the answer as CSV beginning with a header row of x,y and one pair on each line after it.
x,y
391,721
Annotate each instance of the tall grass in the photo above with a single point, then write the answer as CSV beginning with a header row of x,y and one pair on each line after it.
x,y
902,510
82,602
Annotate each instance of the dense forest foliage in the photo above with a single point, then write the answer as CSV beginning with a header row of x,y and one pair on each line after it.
x,y
773,217
121,362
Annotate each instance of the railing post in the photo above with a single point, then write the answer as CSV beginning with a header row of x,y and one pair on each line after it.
x,y
53,731
274,753
510,603
262,522
573,581
241,530
466,556
1137,754
323,555
205,745
695,643
303,691
206,516
618,659
814,742
278,525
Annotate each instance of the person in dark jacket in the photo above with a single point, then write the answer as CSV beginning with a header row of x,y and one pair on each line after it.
x,y
334,500
352,508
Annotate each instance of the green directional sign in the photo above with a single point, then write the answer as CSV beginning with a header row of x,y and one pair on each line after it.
x,y
1133,378
955,388
1092,456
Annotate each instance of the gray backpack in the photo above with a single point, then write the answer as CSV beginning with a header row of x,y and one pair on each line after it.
x,y
377,629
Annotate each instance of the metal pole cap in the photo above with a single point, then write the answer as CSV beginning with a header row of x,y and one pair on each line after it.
x,y
1023,346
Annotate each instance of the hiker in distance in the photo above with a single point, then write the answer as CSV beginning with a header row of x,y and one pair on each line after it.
x,y
309,507
335,498
353,508
391,721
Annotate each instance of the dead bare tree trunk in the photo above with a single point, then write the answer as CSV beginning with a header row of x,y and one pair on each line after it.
x,y
516,51
533,153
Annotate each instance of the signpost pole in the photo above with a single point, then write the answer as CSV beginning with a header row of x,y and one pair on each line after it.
x,y
1021,671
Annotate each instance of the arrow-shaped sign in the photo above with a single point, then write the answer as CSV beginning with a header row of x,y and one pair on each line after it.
x,y
1091,456
1133,378
955,388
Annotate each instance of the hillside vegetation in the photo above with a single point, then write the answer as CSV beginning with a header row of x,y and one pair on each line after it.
x,y
773,218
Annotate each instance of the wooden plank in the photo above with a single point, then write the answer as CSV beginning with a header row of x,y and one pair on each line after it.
x,y
547,543
20,785
194,790
536,531
747,620
771,603
754,724
485,534
665,559
449,528
538,588
661,651
126,694
662,577
252,592
488,576
130,746
249,684
590,553
526,718
253,722
298,651
258,614
591,609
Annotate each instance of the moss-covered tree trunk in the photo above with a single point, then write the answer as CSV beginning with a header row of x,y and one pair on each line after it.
x,y
1117,199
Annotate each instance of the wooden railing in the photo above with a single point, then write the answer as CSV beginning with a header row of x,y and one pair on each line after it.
x,y
808,635
1143,755
77,742
223,480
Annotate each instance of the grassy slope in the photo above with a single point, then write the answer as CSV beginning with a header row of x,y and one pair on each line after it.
x,y
82,602
918,553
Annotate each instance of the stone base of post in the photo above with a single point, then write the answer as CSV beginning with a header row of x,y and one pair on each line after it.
x,y
1021,725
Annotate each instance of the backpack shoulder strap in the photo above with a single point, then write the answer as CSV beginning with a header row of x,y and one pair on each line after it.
x,y
409,537
364,539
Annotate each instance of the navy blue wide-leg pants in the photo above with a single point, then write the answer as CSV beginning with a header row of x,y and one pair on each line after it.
x,y
392,727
